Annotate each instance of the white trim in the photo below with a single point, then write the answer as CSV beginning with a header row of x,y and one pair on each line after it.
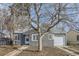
x,y
35,37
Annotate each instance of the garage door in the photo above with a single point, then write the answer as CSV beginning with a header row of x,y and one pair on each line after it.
x,y
59,41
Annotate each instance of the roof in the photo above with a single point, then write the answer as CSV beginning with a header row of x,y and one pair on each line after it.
x,y
60,33
32,31
23,31
74,31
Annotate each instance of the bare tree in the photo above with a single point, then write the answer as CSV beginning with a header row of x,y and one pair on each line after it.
x,y
54,20
57,14
49,14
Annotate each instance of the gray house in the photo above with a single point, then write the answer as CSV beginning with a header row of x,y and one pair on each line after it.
x,y
49,40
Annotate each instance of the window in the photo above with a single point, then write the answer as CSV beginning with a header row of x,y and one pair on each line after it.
x,y
77,37
34,37
27,39
50,36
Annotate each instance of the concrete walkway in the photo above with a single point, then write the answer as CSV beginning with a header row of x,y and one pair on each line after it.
x,y
16,52
70,52
72,49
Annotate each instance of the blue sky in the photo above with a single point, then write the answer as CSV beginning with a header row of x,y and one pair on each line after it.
x,y
74,17
4,5
49,7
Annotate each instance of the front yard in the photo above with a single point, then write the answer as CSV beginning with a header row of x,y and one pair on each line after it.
x,y
75,46
6,49
32,51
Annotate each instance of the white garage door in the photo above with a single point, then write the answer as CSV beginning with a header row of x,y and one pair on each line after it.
x,y
59,41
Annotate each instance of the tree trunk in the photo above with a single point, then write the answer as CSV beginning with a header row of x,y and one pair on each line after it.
x,y
39,43
11,40
40,37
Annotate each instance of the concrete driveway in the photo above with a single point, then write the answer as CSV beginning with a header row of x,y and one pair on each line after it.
x,y
17,51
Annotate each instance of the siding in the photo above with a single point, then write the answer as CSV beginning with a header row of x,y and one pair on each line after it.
x,y
46,42
72,36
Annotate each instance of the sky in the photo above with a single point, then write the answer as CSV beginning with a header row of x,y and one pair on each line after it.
x,y
73,14
49,7
5,5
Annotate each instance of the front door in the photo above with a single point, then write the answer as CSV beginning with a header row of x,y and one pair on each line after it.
x,y
22,38
27,40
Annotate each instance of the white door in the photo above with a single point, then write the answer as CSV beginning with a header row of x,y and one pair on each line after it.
x,y
59,40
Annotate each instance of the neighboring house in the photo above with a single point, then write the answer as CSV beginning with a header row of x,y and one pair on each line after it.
x,y
3,40
73,37
30,38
